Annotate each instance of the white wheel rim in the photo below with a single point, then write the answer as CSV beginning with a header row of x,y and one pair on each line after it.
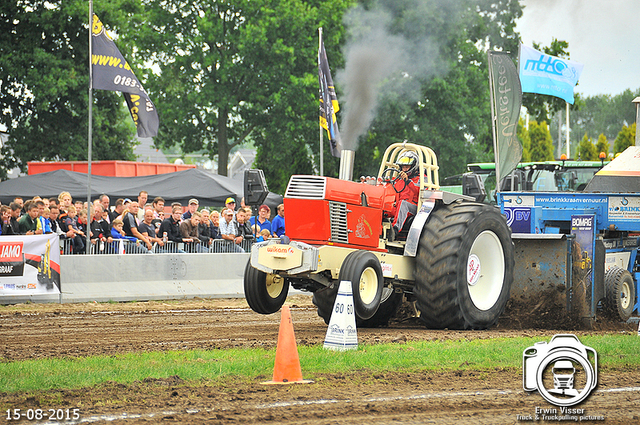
x,y
368,286
625,295
274,285
485,270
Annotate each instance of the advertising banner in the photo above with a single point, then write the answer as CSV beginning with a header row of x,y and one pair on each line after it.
x,y
29,265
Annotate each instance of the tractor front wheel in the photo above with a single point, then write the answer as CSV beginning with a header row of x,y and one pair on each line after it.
x,y
265,293
364,271
464,267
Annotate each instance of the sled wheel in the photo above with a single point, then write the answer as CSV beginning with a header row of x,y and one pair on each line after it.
x,y
364,271
619,293
389,303
464,267
265,293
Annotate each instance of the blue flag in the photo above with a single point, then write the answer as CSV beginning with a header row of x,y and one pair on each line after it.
x,y
545,74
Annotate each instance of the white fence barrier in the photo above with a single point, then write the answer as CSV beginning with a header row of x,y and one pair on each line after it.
x,y
139,277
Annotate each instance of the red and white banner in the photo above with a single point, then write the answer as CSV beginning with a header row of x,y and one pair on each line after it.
x,y
29,265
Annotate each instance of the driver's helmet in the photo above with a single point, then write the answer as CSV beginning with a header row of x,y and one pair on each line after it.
x,y
408,158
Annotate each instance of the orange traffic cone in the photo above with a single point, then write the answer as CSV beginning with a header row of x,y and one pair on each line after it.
x,y
286,369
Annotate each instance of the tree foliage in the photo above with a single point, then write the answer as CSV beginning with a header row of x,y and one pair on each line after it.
x,y
541,144
44,82
626,137
525,140
449,110
230,72
587,150
602,145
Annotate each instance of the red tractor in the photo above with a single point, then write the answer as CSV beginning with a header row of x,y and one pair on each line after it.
x,y
454,258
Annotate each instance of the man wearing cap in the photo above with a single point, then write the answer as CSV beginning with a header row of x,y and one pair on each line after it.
x,y
230,204
193,207
229,231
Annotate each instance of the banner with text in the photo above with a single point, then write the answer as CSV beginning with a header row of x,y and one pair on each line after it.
x,y
112,72
29,265
506,101
545,74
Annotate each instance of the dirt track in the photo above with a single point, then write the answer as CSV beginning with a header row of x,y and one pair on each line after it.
x,y
77,330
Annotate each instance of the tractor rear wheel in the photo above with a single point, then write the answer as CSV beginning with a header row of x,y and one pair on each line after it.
x,y
265,293
464,267
364,271
619,294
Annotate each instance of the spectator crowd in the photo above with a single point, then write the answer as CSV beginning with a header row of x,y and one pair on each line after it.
x,y
140,226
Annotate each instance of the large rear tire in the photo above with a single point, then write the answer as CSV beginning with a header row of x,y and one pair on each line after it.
x,y
464,267
265,293
619,294
364,271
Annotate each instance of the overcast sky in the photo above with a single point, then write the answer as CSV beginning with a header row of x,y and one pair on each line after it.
x,y
603,35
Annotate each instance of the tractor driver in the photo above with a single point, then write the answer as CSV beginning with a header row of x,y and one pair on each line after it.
x,y
408,185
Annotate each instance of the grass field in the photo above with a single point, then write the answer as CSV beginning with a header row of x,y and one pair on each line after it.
x,y
614,352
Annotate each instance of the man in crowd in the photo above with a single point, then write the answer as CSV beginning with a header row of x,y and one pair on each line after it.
x,y
118,209
171,227
244,229
100,229
130,225
189,233
13,227
215,225
277,225
230,204
193,207
147,228
142,202
229,231
29,222
104,201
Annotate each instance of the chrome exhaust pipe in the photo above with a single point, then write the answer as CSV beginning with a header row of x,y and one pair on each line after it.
x,y
346,164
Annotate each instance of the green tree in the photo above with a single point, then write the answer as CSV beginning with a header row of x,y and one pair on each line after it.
x,y
604,114
587,150
44,82
602,145
523,136
451,111
626,137
541,144
230,72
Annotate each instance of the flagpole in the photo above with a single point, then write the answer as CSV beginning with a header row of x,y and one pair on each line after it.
x,y
89,136
321,135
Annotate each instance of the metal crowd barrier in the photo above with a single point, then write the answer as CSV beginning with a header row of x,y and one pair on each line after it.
x,y
123,246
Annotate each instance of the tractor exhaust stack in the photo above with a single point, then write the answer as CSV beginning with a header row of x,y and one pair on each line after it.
x,y
346,164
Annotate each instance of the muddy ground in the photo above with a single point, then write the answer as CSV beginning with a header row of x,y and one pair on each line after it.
x,y
38,331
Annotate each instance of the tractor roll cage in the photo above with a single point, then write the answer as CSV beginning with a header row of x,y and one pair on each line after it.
x,y
427,162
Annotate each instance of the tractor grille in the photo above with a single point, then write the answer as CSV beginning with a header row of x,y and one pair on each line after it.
x,y
338,219
306,187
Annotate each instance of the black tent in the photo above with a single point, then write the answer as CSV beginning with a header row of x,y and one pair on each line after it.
x,y
180,186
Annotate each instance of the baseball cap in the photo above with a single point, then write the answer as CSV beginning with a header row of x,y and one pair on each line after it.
x,y
193,201
230,200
